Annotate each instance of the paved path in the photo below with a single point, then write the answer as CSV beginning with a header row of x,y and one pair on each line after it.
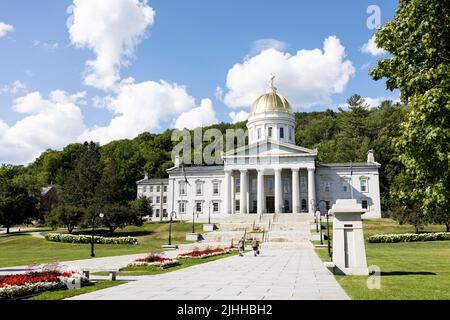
x,y
281,274
114,262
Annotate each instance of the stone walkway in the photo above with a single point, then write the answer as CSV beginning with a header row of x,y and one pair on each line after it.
x,y
281,274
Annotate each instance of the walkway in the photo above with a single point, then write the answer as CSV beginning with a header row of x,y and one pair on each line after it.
x,y
281,274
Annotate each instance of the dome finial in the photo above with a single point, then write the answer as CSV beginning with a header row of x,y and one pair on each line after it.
x,y
271,82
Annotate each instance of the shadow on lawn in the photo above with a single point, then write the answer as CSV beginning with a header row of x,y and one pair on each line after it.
x,y
408,273
105,233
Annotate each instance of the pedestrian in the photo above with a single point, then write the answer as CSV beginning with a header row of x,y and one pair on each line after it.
x,y
255,247
241,247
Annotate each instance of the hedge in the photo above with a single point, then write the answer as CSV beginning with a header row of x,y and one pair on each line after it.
x,y
409,237
69,238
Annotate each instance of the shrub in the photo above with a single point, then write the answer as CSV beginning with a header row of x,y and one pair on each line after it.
x,y
409,237
68,238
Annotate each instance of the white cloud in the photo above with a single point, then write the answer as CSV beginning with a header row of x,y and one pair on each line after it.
x,y
307,78
48,123
202,116
140,107
218,93
14,88
112,29
5,29
376,102
46,45
239,116
264,44
371,47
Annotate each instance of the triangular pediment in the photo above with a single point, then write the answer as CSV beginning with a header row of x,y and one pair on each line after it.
x,y
270,147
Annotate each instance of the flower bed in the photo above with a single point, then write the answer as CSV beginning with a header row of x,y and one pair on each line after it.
x,y
70,238
409,237
155,260
16,286
207,253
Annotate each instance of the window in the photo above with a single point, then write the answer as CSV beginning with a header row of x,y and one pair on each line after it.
x,y
182,189
346,185
158,189
164,212
255,206
270,184
157,212
290,134
216,188
270,132
151,188
238,185
259,133
365,204
198,207
144,189
254,182
286,186
165,188
281,133
164,199
238,205
182,207
327,186
158,199
151,200
364,185
215,207
303,184
304,205
198,188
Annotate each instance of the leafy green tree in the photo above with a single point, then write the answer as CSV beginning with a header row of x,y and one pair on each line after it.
x,y
65,216
79,184
142,206
117,216
417,38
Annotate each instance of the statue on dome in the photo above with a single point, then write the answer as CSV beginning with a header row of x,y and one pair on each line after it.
x,y
271,82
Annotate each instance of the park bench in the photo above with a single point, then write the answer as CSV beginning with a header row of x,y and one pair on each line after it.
x,y
112,273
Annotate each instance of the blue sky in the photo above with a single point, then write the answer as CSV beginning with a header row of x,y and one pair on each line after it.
x,y
191,43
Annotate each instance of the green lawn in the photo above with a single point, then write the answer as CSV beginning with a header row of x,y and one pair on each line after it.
x,y
151,270
414,270
63,294
23,249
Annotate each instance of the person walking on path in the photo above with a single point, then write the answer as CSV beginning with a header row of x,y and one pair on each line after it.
x,y
241,247
255,247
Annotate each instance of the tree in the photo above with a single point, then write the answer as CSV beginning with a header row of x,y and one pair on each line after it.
x,y
417,38
16,205
65,216
117,216
142,206
79,184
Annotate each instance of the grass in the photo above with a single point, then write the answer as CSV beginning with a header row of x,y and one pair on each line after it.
x,y
64,294
152,270
19,249
409,270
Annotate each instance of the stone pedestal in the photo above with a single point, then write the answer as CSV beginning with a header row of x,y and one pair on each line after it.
x,y
349,253
209,227
193,236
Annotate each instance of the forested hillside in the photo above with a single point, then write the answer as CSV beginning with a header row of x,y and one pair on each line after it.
x,y
80,169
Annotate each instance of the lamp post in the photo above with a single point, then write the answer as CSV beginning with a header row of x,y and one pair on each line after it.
x,y
328,238
193,218
170,228
209,211
320,215
101,215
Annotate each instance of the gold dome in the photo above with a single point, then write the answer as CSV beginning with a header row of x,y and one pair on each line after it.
x,y
271,102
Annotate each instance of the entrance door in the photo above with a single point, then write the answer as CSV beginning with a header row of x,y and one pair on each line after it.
x,y
270,204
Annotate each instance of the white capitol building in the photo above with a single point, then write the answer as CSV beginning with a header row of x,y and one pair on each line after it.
x,y
269,175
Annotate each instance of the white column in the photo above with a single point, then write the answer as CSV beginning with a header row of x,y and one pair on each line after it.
x,y
295,192
227,192
260,192
243,196
278,191
311,190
